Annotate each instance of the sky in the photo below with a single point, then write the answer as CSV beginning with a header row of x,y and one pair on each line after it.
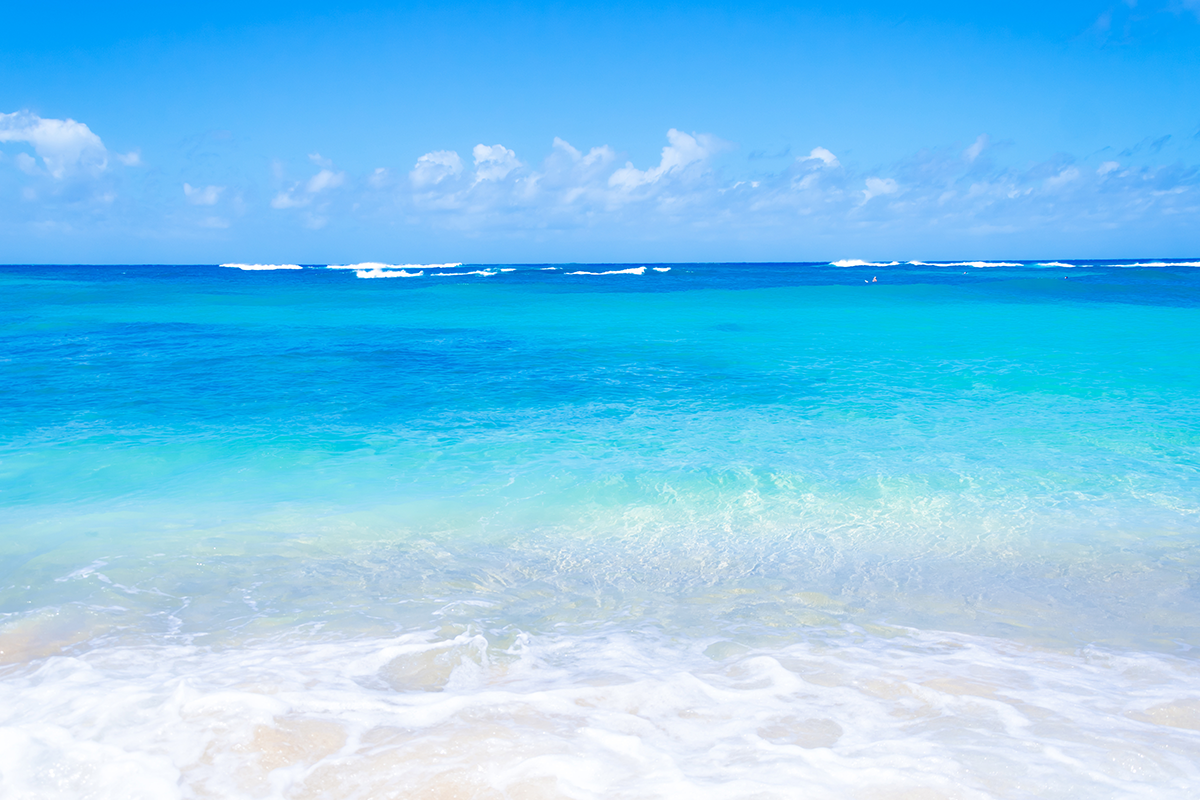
x,y
306,133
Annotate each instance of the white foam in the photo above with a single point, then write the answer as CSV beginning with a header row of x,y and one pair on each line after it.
x,y
386,273
1055,264
975,264
258,267
508,269
618,714
373,265
631,271
662,269
484,272
858,262
1161,264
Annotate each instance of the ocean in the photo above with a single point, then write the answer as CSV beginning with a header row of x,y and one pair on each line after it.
x,y
846,530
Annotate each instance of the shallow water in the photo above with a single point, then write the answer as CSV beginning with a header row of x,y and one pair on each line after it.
x,y
602,531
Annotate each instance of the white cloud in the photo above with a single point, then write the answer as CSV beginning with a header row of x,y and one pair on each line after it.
x,y
947,189
285,199
64,145
596,158
572,177
1062,178
131,159
207,196
683,152
27,164
433,168
972,152
325,179
379,178
493,163
827,158
879,186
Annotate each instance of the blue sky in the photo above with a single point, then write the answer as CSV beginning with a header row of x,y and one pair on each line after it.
x,y
584,132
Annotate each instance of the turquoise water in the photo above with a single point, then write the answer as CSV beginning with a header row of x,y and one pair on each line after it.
x,y
715,530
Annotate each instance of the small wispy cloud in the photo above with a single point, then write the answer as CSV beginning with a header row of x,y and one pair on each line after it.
x,y
973,152
824,156
206,196
303,193
879,186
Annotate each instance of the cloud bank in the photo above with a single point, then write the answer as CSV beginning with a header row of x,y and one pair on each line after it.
x,y
59,175
964,190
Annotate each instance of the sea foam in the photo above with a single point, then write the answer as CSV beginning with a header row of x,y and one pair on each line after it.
x,y
975,264
617,714
1161,264
375,265
387,273
262,267
631,271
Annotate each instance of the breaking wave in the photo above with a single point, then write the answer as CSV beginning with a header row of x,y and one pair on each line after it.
x,y
261,267
631,271
975,264
374,265
386,273
1161,264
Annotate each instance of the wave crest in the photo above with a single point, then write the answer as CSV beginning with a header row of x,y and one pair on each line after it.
x,y
386,273
377,265
261,267
630,271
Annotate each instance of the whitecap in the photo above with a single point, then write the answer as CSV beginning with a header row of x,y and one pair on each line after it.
x,y
1161,264
371,265
386,273
1054,264
858,262
630,271
662,269
483,272
259,267
975,264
